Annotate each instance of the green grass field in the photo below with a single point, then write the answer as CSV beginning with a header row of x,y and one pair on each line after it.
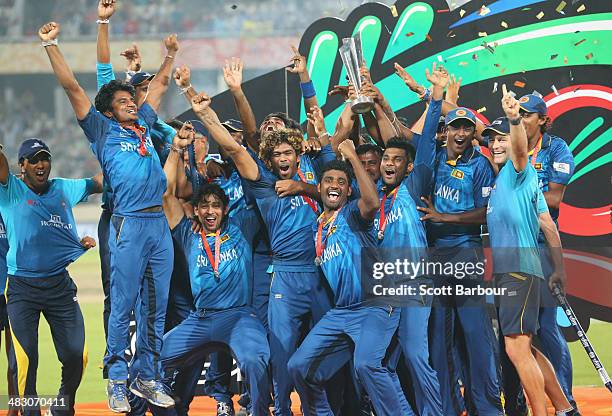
x,y
87,276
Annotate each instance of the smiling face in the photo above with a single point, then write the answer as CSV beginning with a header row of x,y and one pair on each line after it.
x,y
394,166
36,170
284,161
271,124
500,147
371,164
334,189
124,107
459,135
211,212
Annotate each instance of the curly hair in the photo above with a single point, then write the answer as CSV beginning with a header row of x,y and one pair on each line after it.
x,y
290,123
104,98
273,139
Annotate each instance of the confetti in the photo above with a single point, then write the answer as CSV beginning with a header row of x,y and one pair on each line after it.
x,y
540,15
496,65
475,57
581,8
579,42
554,89
524,9
394,11
428,37
409,34
443,11
554,56
565,59
512,93
560,7
481,110
484,10
463,63
440,58
488,47
502,71
504,24
576,89
519,84
482,34
589,56
571,76
494,88
461,12
451,34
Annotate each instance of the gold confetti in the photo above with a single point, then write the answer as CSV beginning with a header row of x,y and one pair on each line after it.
x,y
409,34
481,110
565,59
394,11
581,8
428,37
540,15
482,34
504,25
461,12
519,84
502,71
560,7
579,42
463,63
589,56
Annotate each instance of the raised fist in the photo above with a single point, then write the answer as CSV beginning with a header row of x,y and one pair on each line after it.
x,y
172,44
200,102
49,31
106,8
182,76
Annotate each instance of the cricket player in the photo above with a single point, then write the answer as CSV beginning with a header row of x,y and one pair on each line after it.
x,y
515,213
38,216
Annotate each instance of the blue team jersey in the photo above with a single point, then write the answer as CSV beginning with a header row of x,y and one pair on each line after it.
x,y
512,220
461,185
404,229
235,261
289,219
232,186
341,259
554,163
137,182
41,230
3,251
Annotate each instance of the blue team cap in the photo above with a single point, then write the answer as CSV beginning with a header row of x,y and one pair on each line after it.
x,y
32,147
140,77
232,125
531,103
500,126
460,113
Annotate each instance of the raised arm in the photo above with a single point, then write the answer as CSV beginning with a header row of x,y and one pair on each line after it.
x,y
106,8
182,78
4,168
344,125
134,61
171,204
232,73
518,136
159,84
81,104
247,167
368,202
316,118
308,92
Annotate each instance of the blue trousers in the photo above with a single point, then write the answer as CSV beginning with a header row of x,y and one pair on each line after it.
x,y
141,264
362,333
104,253
481,378
297,299
237,328
414,345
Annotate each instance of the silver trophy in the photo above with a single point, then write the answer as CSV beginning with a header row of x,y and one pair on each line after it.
x,y
352,58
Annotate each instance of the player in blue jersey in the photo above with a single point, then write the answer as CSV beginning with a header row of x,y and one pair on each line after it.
x,y
355,328
37,213
220,268
119,132
463,181
298,294
399,227
370,156
515,214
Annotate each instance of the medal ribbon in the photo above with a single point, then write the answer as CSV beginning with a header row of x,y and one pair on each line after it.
x,y
308,200
382,224
320,245
142,148
534,152
214,262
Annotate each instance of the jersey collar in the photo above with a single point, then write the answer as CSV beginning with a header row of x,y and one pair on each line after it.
x,y
463,158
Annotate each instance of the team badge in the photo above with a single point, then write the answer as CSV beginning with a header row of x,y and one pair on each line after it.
x,y
456,173
538,166
524,99
461,112
225,238
309,176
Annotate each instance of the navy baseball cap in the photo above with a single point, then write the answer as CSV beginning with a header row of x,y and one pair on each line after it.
x,y
531,103
32,147
140,77
232,125
460,113
499,126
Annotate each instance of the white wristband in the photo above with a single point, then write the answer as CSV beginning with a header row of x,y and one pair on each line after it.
x,y
184,90
46,43
103,21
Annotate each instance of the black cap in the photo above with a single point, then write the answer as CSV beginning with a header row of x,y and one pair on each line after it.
x,y
32,147
140,77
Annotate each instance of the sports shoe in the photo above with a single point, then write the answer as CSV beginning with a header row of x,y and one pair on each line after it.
x,y
116,391
152,391
225,409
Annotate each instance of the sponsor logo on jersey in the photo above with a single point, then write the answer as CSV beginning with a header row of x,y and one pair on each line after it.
x,y
486,191
448,193
331,251
55,221
561,167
